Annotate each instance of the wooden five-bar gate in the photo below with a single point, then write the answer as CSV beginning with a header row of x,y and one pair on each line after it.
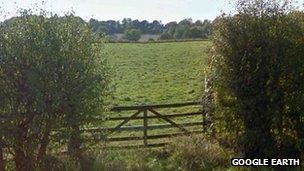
x,y
145,113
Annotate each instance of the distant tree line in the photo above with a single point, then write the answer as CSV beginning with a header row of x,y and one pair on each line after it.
x,y
184,29
113,27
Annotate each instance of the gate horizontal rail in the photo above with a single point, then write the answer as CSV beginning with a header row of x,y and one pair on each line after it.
x,y
153,117
158,106
140,127
151,136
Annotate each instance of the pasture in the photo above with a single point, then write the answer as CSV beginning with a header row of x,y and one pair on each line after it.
x,y
157,73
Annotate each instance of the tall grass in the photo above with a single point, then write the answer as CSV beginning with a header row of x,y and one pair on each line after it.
x,y
189,153
198,153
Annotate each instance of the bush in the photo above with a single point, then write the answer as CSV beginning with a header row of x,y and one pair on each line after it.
x,y
257,66
197,153
132,35
165,36
151,40
51,76
52,163
193,32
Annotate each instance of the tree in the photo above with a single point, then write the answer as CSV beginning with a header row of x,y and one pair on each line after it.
x,y
170,28
198,23
51,76
206,28
156,27
186,22
257,65
132,35
127,24
193,32
144,27
165,36
177,30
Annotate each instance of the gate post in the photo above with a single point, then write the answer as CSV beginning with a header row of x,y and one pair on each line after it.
x,y
145,127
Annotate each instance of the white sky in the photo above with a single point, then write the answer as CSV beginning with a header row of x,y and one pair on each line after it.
x,y
164,10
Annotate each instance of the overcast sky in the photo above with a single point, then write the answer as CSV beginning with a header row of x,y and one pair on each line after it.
x,y
164,10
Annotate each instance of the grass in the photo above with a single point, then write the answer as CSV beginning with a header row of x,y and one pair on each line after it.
x,y
156,73
188,153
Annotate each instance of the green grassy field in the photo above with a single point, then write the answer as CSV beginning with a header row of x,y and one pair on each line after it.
x,y
157,73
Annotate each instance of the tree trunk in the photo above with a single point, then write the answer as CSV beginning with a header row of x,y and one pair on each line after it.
x,y
2,162
74,146
44,143
22,161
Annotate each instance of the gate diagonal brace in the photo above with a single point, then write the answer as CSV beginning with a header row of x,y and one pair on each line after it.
x,y
124,122
168,120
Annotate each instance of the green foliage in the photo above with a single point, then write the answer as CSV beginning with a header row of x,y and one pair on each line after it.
x,y
256,71
132,35
184,153
193,32
151,40
186,29
165,36
113,27
108,27
51,76
52,163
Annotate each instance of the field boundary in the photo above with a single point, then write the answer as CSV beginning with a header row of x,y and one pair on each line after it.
x,y
141,113
159,41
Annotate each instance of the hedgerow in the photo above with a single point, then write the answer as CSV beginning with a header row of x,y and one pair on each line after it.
x,y
51,76
257,73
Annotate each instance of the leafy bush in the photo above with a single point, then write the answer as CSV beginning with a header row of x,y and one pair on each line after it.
x,y
151,40
132,35
193,32
197,153
52,163
165,36
256,69
51,76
